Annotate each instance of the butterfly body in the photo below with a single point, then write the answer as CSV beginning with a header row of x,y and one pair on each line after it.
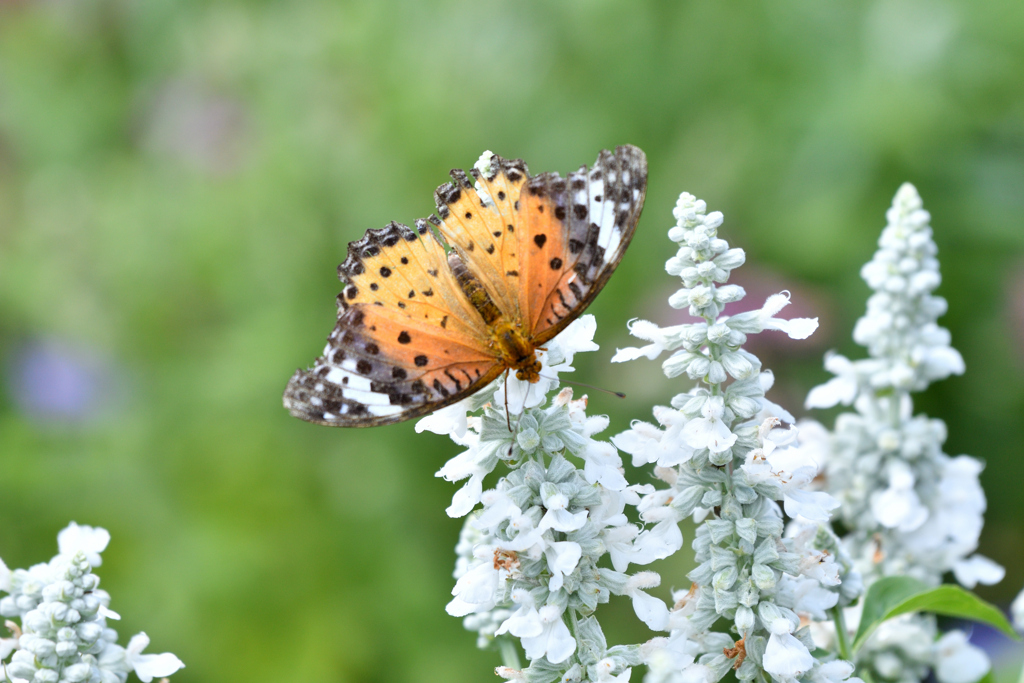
x,y
423,323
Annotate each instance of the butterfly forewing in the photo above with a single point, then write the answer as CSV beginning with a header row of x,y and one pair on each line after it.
x,y
575,231
481,227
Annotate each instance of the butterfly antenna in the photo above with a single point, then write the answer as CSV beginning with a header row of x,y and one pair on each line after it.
x,y
587,386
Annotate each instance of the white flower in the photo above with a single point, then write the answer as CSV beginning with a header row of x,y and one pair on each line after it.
x,y
577,337
648,608
785,656
808,596
835,671
757,321
475,463
618,541
562,557
89,540
527,536
602,465
148,667
554,641
450,420
521,394
840,389
610,512
524,622
813,505
657,543
475,590
586,426
647,443
793,469
710,431
663,339
498,507
898,507
605,669
978,569
821,566
557,516
957,661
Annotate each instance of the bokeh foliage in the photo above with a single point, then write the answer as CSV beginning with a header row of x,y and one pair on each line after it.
x,y
178,181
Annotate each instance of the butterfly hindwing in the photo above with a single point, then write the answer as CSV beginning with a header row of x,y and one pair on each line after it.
x,y
407,340
574,232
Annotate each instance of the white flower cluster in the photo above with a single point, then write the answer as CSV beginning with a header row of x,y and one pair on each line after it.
x,y
63,636
528,556
727,459
907,508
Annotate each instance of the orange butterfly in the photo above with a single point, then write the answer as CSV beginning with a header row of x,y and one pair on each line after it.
x,y
421,326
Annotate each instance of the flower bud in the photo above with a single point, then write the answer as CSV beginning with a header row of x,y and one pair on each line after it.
x,y
744,619
528,439
89,631
66,648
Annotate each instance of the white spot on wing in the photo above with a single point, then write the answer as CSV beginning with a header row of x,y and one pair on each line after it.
x,y
368,398
607,224
381,411
337,375
595,207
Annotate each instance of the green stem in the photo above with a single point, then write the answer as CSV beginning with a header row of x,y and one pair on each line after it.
x,y
509,653
841,634
1021,679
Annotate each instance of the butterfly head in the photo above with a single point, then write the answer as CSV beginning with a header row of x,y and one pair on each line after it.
x,y
529,370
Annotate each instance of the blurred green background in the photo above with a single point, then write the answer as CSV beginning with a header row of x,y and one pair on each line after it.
x,y
178,182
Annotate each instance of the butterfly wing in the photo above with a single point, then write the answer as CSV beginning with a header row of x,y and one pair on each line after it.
x,y
481,227
543,247
407,341
573,234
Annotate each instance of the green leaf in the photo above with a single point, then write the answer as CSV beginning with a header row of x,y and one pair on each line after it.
x,y
896,595
882,596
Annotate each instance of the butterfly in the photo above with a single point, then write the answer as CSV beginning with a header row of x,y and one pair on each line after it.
x,y
432,314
